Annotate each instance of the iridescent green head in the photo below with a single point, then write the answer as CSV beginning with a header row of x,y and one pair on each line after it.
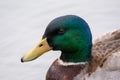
x,y
72,35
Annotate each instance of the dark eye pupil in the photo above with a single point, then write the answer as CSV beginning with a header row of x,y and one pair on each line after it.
x,y
61,31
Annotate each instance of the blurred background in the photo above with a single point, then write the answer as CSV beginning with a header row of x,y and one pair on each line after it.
x,y
22,24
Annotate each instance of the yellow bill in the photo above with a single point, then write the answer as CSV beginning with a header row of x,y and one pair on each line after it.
x,y
37,51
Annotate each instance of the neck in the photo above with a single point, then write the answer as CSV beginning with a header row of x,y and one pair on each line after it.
x,y
79,56
70,63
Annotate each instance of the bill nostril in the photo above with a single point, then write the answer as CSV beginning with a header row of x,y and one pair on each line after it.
x,y
40,45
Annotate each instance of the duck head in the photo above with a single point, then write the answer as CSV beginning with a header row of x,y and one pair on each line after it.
x,y
70,34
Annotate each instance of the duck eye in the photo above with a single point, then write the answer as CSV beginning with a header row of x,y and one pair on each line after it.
x,y
61,31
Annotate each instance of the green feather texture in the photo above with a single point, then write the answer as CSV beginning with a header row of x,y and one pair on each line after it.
x,y
72,36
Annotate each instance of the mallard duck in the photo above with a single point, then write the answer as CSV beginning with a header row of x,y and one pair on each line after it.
x,y
79,60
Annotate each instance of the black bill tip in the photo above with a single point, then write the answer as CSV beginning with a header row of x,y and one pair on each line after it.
x,y
22,60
